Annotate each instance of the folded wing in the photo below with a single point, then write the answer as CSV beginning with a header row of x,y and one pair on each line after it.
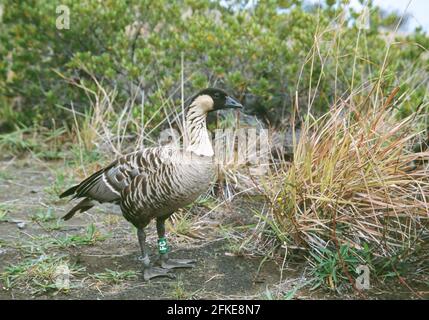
x,y
107,184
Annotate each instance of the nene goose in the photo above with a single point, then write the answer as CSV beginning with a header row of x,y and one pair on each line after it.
x,y
154,182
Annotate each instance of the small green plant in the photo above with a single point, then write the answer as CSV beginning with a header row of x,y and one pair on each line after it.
x,y
43,143
115,277
234,248
44,215
237,237
62,180
179,291
83,155
268,294
40,244
3,215
288,295
54,225
18,141
58,185
91,236
5,211
332,268
246,239
208,202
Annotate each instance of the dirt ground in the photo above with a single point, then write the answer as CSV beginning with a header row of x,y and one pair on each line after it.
x,y
30,222
101,248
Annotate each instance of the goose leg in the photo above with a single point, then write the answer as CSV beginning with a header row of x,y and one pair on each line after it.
x,y
165,261
149,271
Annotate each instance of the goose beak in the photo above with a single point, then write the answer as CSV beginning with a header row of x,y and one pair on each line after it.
x,y
232,103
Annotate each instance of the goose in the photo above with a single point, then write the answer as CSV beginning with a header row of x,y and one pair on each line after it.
x,y
152,183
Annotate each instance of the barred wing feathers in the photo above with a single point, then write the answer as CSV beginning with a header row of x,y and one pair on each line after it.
x,y
107,184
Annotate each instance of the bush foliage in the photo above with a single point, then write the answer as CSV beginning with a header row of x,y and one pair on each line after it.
x,y
263,53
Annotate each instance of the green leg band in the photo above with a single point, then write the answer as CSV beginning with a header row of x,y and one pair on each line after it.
x,y
162,245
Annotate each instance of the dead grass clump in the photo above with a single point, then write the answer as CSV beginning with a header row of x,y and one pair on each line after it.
x,y
353,182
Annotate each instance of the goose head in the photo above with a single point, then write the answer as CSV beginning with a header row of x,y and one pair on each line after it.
x,y
205,101
213,99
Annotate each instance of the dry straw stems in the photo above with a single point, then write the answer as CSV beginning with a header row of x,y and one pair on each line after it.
x,y
353,180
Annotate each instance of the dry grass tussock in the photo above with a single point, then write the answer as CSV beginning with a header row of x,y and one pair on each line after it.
x,y
353,181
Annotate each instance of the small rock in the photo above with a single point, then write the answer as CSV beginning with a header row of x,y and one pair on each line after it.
x,y
21,225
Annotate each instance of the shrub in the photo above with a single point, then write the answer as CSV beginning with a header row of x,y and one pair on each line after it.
x,y
135,48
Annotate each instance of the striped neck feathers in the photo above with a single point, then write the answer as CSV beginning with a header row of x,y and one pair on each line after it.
x,y
196,127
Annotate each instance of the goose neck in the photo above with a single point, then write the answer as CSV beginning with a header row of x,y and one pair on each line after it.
x,y
197,135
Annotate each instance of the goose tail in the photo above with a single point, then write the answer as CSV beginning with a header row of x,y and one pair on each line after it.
x,y
69,191
82,206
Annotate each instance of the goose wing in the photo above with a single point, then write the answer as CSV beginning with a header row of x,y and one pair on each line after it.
x,y
107,184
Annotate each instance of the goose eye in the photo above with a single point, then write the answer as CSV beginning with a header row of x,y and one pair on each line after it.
x,y
216,95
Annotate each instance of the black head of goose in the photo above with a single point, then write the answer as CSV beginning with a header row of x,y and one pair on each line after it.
x,y
154,182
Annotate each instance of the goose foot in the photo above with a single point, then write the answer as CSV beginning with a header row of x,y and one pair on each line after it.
x,y
149,271
155,272
164,261
169,264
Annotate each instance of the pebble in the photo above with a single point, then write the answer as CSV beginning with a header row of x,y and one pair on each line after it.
x,y
21,225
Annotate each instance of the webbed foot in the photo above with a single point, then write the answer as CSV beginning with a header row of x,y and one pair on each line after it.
x,y
169,264
155,272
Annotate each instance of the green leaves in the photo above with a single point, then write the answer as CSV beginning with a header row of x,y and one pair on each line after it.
x,y
263,50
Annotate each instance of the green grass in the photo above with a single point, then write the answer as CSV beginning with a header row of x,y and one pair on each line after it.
x,y
5,210
3,215
208,202
288,295
55,225
18,141
115,277
62,181
42,142
234,248
81,156
51,154
179,292
38,275
40,244
44,215
90,237
331,267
